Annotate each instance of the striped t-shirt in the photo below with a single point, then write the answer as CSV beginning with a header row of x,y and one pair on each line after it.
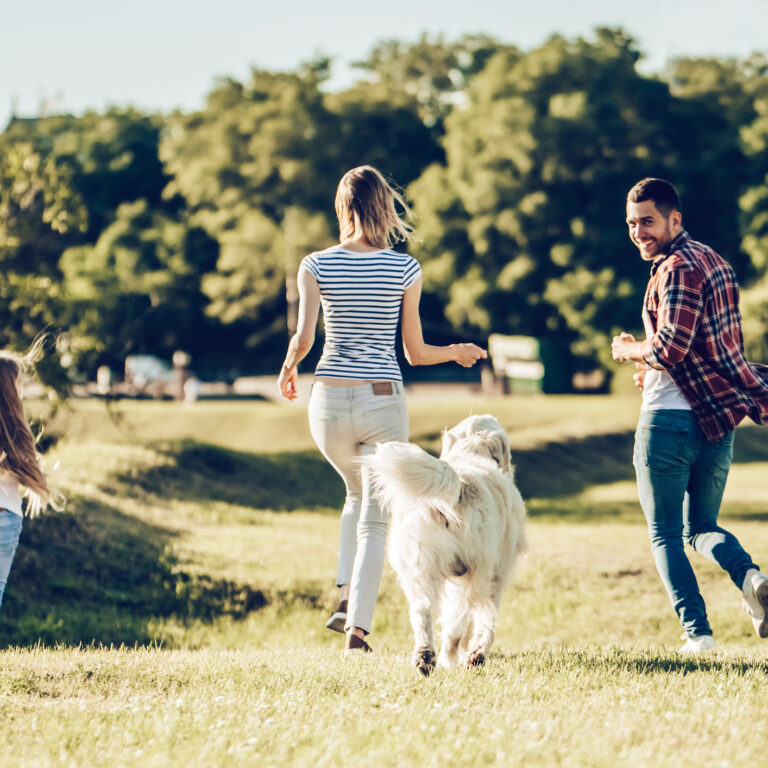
x,y
361,294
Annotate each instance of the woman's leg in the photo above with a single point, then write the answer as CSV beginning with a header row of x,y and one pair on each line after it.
x,y
10,529
331,427
379,418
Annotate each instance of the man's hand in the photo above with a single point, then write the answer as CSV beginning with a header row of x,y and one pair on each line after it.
x,y
639,377
625,348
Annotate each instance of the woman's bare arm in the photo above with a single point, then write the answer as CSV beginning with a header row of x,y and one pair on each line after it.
x,y
419,353
304,338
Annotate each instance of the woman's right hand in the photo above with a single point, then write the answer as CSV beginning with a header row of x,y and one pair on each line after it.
x,y
466,355
288,383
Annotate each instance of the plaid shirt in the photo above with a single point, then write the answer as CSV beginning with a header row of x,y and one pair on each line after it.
x,y
693,327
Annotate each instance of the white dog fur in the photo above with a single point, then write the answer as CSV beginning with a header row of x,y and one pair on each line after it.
x,y
457,528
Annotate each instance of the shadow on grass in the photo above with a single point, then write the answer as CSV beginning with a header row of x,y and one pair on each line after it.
x,y
282,482
567,468
99,576
304,480
619,660
575,509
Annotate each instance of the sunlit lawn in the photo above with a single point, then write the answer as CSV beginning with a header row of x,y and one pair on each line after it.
x,y
584,671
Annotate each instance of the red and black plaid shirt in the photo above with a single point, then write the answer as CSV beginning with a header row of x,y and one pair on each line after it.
x,y
691,313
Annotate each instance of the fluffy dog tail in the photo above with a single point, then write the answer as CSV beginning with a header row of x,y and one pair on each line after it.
x,y
402,473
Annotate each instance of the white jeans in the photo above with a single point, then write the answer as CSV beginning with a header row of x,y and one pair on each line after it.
x,y
347,422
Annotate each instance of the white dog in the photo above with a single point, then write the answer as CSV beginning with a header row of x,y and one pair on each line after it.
x,y
457,527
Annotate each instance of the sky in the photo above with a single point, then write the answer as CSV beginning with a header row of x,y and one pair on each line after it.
x,y
159,55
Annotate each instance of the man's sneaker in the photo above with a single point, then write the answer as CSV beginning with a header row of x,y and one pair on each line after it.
x,y
698,644
755,603
356,646
338,618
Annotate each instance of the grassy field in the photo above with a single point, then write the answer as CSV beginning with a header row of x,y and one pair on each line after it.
x,y
173,614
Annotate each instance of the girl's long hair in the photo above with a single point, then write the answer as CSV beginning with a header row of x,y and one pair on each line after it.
x,y
365,205
17,444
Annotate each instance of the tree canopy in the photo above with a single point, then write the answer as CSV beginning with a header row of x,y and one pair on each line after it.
x,y
149,233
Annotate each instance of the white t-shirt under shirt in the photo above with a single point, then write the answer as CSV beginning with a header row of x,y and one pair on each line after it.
x,y
10,498
361,294
660,393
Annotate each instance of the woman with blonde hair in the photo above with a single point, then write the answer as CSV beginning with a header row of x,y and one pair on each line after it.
x,y
19,462
364,287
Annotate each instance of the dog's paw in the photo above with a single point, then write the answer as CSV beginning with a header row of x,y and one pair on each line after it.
x,y
476,659
424,661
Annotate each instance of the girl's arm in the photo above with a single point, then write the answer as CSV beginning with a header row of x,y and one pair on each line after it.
x,y
304,338
419,353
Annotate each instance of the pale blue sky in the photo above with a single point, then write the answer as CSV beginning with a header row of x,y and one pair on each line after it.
x,y
162,54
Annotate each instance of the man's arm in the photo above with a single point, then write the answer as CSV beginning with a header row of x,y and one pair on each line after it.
x,y
681,304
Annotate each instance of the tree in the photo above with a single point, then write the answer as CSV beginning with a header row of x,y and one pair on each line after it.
x,y
254,153
140,282
539,161
379,128
429,74
63,178
754,212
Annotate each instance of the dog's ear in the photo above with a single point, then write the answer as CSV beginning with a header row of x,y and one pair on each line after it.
x,y
448,441
500,451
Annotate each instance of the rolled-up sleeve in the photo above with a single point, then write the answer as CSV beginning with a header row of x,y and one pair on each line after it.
x,y
681,303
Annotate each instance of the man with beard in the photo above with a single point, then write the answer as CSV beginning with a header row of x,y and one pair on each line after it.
x,y
696,388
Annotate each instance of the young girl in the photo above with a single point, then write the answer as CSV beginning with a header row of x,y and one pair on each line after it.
x,y
19,463
357,398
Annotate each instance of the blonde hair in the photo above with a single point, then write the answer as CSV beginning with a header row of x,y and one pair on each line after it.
x,y
365,205
17,444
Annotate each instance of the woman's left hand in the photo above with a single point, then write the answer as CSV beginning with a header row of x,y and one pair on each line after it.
x,y
466,355
288,383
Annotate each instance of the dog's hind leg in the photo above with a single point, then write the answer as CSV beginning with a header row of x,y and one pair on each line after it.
x,y
484,630
455,620
420,603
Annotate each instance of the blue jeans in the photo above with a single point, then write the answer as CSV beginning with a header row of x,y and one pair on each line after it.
x,y
10,530
680,480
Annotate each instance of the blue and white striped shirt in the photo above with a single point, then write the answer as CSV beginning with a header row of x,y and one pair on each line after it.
x,y
361,294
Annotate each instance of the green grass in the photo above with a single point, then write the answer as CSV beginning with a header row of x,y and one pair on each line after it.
x,y
173,614
307,707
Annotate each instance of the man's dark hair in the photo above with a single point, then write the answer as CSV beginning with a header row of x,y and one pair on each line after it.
x,y
663,195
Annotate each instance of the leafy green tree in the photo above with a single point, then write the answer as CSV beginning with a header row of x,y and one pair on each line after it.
x,y
39,213
256,152
377,127
754,211
539,161
430,74
62,180
141,282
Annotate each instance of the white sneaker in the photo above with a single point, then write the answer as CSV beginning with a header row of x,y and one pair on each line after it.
x,y
755,603
698,644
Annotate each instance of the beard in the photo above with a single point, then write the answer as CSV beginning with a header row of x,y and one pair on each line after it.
x,y
650,250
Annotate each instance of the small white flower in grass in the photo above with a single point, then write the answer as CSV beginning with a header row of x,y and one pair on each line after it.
x,y
219,698
138,753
